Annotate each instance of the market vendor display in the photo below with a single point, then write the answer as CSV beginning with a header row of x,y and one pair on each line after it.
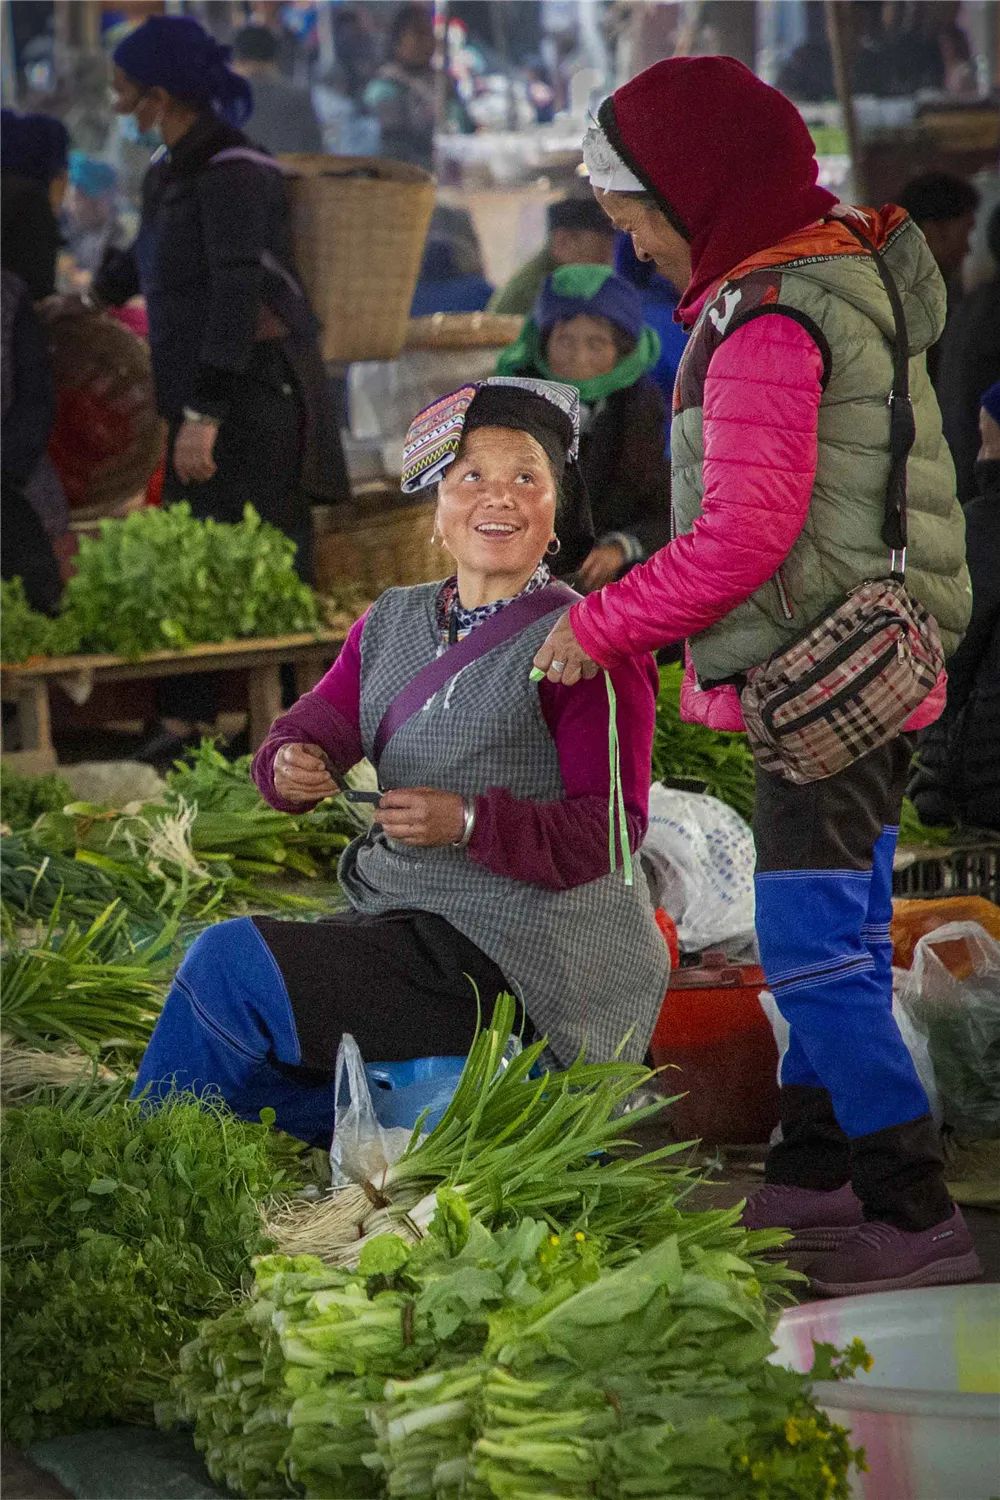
x,y
795,475
488,866
587,329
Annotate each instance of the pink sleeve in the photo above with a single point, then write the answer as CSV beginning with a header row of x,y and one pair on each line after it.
x,y
761,406
564,843
329,716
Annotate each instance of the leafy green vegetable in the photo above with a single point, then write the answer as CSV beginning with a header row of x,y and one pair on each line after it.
x,y
722,763
24,798
27,633
913,831
121,1230
92,986
506,1364
161,579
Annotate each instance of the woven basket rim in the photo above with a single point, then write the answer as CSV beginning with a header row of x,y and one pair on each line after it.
x,y
383,170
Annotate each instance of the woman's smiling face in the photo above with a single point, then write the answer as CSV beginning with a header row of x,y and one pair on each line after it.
x,y
497,503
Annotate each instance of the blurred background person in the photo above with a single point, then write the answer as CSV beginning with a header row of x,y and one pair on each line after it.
x,y
34,151
284,117
970,363
944,206
587,330
27,403
236,362
956,778
404,95
580,234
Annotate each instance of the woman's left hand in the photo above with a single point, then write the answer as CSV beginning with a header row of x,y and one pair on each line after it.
x,y
194,448
561,657
421,816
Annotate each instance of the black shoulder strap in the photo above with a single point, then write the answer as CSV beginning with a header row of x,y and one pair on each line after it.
x,y
902,426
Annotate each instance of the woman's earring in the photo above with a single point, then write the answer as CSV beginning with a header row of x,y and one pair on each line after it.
x,y
554,547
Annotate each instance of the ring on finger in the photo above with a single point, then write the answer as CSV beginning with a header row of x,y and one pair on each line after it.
x,y
557,666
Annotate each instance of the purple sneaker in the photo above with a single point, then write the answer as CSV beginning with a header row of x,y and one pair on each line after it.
x,y
818,1220
882,1258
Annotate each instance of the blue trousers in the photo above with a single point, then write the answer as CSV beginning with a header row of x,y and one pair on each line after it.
x,y
852,1103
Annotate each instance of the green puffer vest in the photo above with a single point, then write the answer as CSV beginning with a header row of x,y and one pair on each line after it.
x,y
842,302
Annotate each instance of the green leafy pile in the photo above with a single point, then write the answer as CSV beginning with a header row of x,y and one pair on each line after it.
x,y
24,798
721,763
95,987
211,848
509,1363
26,632
912,830
162,580
122,1230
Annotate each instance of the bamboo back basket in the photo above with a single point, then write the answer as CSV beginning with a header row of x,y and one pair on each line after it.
x,y
376,541
359,224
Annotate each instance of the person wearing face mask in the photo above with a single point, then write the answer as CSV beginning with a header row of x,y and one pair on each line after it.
x,y
794,469
487,867
233,339
587,329
956,776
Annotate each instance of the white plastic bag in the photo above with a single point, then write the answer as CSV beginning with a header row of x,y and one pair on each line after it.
x,y
700,857
916,1045
362,1149
960,1018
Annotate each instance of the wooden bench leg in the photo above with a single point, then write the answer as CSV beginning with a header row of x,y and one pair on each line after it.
x,y
307,674
263,702
37,753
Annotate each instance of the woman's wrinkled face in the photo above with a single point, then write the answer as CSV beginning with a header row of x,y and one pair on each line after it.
x,y
497,503
653,236
582,348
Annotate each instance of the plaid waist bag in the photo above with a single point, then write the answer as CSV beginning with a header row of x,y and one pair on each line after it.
x,y
845,687
852,680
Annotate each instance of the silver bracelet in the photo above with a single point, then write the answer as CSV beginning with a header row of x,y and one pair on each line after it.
x,y
469,809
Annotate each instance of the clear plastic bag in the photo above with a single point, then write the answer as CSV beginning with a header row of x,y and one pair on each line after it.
x,y
362,1149
956,1006
699,855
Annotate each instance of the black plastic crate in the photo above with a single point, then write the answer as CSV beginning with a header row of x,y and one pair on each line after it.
x,y
970,870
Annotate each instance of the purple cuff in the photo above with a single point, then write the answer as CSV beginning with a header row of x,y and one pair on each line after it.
x,y
310,721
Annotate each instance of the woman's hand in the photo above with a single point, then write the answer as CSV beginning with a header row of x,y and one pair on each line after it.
x,y
561,657
604,562
194,448
422,817
302,774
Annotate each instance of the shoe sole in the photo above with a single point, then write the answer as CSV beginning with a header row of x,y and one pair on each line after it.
x,y
939,1273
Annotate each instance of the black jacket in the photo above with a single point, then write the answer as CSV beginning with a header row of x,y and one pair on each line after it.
x,y
623,459
969,365
31,238
214,248
957,773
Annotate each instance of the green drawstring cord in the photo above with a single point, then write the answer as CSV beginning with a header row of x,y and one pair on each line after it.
x,y
616,797
617,821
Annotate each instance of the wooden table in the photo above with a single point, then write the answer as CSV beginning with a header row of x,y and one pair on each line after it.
x,y
27,685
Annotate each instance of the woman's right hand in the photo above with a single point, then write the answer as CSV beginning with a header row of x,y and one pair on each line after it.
x,y
302,774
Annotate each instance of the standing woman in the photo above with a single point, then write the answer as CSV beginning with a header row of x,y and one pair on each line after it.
x,y
233,339
783,446
236,363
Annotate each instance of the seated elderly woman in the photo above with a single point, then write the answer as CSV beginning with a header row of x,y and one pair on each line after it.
x,y
488,866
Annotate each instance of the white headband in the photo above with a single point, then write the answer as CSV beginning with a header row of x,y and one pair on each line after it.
x,y
607,172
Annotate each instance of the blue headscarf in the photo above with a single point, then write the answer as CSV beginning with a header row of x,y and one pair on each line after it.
x,y
33,146
991,401
177,54
90,176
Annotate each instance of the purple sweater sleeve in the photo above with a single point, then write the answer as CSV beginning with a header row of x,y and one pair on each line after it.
x,y
563,844
329,716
